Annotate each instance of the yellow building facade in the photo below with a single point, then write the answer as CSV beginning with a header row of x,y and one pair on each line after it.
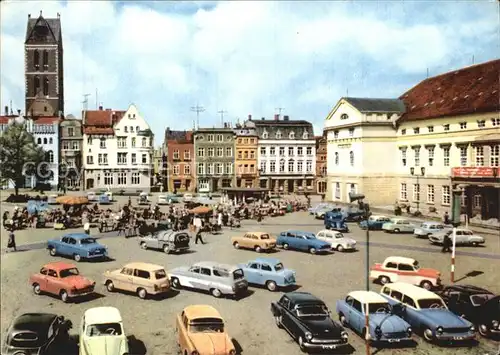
x,y
246,168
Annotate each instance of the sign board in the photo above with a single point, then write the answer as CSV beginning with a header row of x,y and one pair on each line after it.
x,y
473,172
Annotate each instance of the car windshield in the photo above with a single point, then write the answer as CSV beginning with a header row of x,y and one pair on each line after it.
x,y
26,340
69,272
238,274
206,325
478,300
96,330
416,266
278,267
160,274
379,308
264,236
431,303
309,236
312,310
339,235
87,241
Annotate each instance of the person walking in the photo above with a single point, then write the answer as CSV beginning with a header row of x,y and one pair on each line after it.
x,y
86,228
446,218
198,225
12,240
446,244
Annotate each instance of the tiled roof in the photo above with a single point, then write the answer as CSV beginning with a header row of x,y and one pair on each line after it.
x,y
101,121
47,120
54,25
367,105
98,130
178,136
469,90
280,122
4,119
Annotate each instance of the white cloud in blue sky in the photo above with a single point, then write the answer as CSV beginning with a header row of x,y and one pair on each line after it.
x,y
247,57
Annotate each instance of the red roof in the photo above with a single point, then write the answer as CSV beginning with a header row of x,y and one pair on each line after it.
x,y
59,265
4,119
101,121
47,120
469,90
98,130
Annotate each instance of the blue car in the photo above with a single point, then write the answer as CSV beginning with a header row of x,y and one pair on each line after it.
x,y
374,222
427,313
336,221
305,241
268,272
77,246
384,323
428,228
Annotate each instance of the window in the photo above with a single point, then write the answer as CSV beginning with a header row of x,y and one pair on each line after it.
x,y
291,135
300,151
309,151
134,158
430,193
409,301
39,141
477,201
210,137
403,192
210,169
201,152
430,129
357,306
125,129
263,167
133,142
218,168
108,179
278,135
481,124
463,125
46,86
405,267
102,143
446,127
36,58
291,164
176,169
495,122
122,158
201,169
282,165
494,155
122,178
45,141
265,135
187,169
136,178
229,152
463,156
219,138
479,156
446,156
36,85
309,166
352,188
305,135
90,159
252,154
65,144
445,198
344,116
403,132
210,152
229,168
416,192
416,151
143,142
351,132
187,154
121,142
416,130
144,158
176,154
299,166
272,167
337,190
430,152
45,59
336,134
220,151
282,151
137,129
263,151
272,151
337,158
351,158
403,157
99,159
240,154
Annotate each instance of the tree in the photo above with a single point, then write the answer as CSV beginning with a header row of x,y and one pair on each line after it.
x,y
19,155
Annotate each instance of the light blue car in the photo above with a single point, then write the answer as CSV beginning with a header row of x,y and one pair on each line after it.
x,y
77,246
385,325
304,241
268,272
428,228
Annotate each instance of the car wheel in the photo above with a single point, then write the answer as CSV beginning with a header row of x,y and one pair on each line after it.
x,y
36,289
144,245
271,286
258,249
426,284
312,250
384,280
396,230
77,257
483,330
428,336
236,245
277,320
64,296
166,249
285,246
52,251
340,248
216,292
175,283
110,286
343,320
142,293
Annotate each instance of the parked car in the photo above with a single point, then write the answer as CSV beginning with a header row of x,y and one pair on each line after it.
x,y
337,240
258,241
399,269
463,237
307,319
187,197
78,246
92,196
218,279
398,225
374,222
37,333
168,241
385,325
335,220
320,212
312,210
428,228
304,241
163,200
143,199
101,332
478,305
141,278
268,272
104,199
201,330
61,279
426,312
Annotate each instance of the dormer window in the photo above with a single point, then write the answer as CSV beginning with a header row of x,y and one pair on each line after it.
x,y
278,135
265,135
416,130
291,135
305,135
344,116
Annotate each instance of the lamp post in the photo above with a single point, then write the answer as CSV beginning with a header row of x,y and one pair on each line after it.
x,y
422,173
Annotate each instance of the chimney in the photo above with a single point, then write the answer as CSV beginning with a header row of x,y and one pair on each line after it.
x,y
18,112
249,117
263,118
277,117
100,108
6,110
286,118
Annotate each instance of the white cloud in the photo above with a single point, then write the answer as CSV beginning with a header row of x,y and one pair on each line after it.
x,y
244,57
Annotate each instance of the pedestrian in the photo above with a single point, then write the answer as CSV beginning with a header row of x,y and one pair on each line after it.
x,y
446,218
198,225
322,197
86,228
408,209
12,240
446,244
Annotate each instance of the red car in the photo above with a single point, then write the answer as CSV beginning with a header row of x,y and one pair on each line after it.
x,y
61,279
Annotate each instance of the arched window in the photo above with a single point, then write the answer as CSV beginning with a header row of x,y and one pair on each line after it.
x,y
45,141
50,141
336,158
36,85
45,59
39,141
291,135
46,86
305,135
351,157
282,165
50,156
143,142
36,58
278,135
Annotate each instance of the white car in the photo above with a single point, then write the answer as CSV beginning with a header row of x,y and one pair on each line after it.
x,y
337,240
464,237
92,196
163,200
187,197
101,332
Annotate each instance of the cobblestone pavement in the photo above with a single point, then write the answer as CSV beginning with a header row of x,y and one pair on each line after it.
x,y
249,320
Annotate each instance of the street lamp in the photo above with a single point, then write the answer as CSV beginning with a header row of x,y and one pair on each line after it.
x,y
422,173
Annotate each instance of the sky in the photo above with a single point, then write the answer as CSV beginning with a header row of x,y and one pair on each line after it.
x,y
246,57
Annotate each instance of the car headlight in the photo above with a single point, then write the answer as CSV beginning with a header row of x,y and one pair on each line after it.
x,y
495,323
472,328
409,331
439,330
309,336
344,335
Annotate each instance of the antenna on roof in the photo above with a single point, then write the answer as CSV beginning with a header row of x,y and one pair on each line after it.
x,y
222,112
40,13
279,109
85,102
197,109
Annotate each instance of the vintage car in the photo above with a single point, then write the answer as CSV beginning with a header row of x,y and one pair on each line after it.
x,y
37,333
374,222
399,269
398,225
201,330
268,272
143,199
428,228
304,241
258,241
335,220
78,246
218,279
426,312
479,306
92,196
337,240
352,213
463,237
187,197
61,279
320,212
104,199
109,194
314,209
169,241
307,319
142,279
385,325
101,332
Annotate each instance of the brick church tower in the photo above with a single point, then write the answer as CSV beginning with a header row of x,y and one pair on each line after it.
x,y
43,67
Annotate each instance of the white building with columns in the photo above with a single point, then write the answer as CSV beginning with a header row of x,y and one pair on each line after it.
x,y
117,150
